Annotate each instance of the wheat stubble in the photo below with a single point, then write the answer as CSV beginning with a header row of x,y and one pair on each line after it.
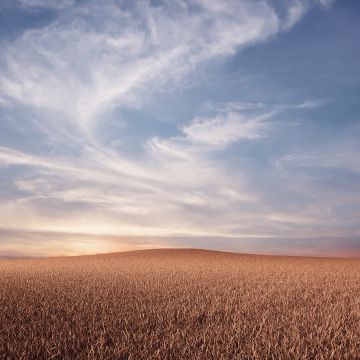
x,y
180,304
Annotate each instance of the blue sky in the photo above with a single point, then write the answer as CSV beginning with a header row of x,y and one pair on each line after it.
x,y
227,125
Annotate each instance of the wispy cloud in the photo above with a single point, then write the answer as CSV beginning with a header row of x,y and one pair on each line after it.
x,y
67,80
311,104
133,50
53,4
223,129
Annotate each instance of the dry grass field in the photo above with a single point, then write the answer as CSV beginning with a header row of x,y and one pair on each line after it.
x,y
180,304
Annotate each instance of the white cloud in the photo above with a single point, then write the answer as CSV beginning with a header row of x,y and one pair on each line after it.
x,y
141,198
295,11
336,158
326,3
12,157
81,70
54,4
311,104
223,129
4,102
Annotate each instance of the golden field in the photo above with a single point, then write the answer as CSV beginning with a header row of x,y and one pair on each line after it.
x,y
180,304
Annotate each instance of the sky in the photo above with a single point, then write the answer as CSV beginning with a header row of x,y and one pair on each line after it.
x,y
230,125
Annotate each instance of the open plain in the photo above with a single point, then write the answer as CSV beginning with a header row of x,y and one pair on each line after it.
x,y
180,304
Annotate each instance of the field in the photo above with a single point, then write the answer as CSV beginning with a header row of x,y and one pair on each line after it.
x,y
180,304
